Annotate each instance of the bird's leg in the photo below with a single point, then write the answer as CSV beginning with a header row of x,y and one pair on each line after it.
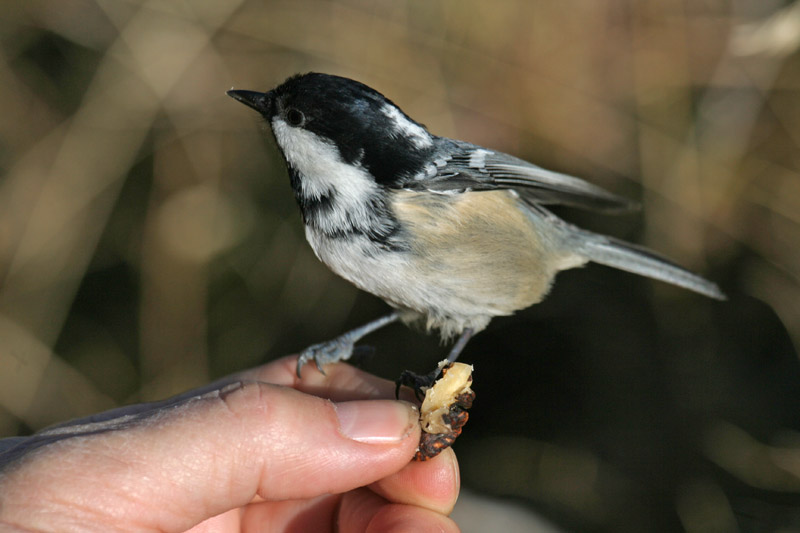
x,y
341,348
419,382
458,347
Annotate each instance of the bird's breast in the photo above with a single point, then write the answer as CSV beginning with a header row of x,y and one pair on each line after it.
x,y
466,257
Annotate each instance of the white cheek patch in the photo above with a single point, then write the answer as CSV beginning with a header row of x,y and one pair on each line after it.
x,y
416,133
324,173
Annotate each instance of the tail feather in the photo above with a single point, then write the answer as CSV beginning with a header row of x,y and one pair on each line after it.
x,y
639,260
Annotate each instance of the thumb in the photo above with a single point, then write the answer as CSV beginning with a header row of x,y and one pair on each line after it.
x,y
181,463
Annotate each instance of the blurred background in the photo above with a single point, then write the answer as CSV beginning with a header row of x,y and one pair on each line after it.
x,y
149,240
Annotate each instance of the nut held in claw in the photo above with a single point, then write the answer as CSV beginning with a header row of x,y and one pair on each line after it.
x,y
444,410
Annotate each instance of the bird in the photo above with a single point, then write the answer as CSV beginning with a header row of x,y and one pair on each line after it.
x,y
448,233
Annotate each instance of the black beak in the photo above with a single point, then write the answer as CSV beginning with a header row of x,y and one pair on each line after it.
x,y
258,101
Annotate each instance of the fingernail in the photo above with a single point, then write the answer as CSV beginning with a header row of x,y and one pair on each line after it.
x,y
376,421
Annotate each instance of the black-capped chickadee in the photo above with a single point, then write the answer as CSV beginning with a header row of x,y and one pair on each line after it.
x,y
448,233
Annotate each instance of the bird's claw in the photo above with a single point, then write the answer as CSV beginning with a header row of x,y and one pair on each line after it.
x,y
418,383
325,353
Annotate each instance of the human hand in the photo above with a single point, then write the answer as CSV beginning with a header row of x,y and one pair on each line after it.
x,y
261,451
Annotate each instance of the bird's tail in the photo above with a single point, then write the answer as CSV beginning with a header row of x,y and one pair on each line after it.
x,y
639,260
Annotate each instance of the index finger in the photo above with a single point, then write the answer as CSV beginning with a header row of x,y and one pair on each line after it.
x,y
340,382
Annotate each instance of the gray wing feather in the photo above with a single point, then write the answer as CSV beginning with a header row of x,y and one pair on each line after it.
x,y
463,166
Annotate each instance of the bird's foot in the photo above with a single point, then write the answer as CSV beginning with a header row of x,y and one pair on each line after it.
x,y
419,383
325,353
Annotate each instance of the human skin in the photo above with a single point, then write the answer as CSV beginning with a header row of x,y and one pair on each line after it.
x,y
259,451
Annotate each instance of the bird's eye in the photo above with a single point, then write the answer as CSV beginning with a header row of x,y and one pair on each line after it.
x,y
295,117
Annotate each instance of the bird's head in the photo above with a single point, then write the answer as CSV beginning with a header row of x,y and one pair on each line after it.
x,y
321,121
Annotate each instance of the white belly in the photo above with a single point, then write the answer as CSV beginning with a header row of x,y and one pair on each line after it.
x,y
397,278
459,271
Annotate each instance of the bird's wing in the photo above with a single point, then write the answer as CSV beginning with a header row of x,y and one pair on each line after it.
x,y
463,166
